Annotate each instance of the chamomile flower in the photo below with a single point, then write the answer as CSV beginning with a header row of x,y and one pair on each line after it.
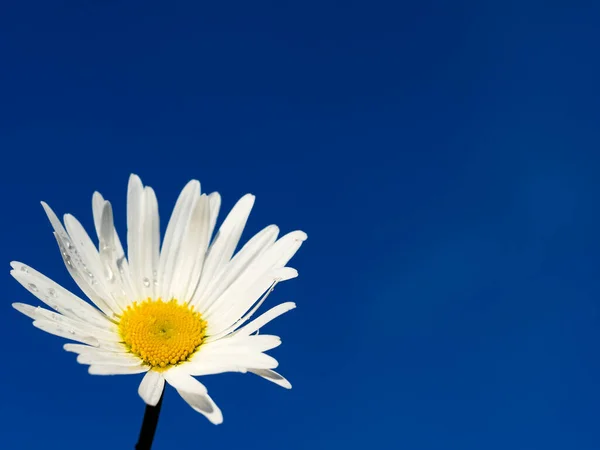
x,y
174,311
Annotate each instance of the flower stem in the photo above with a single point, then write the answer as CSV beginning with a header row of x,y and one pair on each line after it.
x,y
149,425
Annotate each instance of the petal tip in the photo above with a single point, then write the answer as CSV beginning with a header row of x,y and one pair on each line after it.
x,y
134,178
250,198
192,184
285,273
302,236
46,207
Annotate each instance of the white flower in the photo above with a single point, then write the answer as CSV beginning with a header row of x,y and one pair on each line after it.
x,y
173,312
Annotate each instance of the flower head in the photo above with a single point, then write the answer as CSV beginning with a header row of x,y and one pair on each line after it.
x,y
174,311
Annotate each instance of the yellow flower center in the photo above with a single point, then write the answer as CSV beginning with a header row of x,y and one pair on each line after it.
x,y
162,334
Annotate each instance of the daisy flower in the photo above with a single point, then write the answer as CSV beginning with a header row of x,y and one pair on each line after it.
x,y
174,311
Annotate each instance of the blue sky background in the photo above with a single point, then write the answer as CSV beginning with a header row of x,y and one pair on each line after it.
x,y
442,156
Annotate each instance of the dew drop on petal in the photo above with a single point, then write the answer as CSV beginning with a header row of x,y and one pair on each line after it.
x,y
146,282
52,292
32,287
120,263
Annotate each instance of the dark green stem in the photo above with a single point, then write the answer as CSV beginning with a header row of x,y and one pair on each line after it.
x,y
149,425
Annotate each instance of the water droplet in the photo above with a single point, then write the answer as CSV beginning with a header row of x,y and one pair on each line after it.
x,y
155,282
120,263
32,287
71,331
68,244
89,273
52,292
24,269
146,282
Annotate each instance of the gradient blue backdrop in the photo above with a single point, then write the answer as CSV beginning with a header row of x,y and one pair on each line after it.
x,y
442,156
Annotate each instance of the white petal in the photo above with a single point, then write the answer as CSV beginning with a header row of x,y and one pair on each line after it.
x,y
262,343
193,250
97,206
152,243
104,229
230,353
234,268
265,318
222,319
203,404
57,297
214,199
172,244
118,281
151,387
28,310
76,269
249,360
253,343
246,290
208,366
212,336
194,393
116,370
65,332
226,240
272,376
79,349
285,273
180,379
107,358
285,248
87,247
37,313
135,223
143,236
77,264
